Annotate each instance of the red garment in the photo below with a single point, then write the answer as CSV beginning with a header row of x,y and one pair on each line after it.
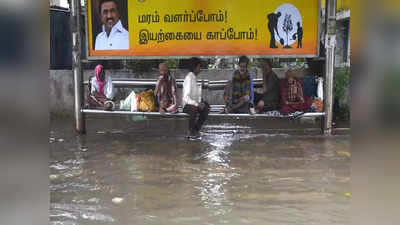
x,y
166,92
97,71
97,101
294,91
297,101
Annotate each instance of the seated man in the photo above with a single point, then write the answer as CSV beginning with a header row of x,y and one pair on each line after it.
x,y
100,90
269,100
239,91
292,95
192,102
165,92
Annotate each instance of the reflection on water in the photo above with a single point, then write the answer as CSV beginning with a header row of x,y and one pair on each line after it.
x,y
214,179
233,176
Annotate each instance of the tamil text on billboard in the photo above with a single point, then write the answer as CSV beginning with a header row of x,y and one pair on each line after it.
x,y
158,28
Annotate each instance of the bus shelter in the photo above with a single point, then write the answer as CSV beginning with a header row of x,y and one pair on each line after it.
x,y
158,29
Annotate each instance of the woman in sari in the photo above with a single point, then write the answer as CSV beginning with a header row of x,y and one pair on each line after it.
x,y
100,90
292,95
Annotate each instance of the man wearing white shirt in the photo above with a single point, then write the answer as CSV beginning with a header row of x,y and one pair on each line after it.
x,y
113,36
191,100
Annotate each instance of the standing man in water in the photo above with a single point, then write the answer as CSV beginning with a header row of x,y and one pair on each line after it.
x,y
113,36
272,27
191,100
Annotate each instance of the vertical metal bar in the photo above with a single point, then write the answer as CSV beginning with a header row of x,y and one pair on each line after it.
x,y
76,64
330,42
329,90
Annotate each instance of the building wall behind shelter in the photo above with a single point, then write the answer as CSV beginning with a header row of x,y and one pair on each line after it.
x,y
342,51
61,40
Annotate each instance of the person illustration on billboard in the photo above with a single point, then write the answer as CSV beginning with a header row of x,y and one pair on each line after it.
x,y
272,27
113,36
299,35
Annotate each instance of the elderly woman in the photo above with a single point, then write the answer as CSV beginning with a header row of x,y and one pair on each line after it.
x,y
165,92
100,90
292,95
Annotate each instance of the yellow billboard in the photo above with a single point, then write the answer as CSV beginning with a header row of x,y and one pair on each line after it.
x,y
160,28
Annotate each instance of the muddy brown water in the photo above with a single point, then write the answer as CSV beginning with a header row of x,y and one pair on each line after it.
x,y
239,173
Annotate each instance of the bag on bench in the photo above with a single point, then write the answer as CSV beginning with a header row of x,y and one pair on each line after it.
x,y
130,102
147,102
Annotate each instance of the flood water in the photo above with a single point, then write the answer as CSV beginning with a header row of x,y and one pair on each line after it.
x,y
146,172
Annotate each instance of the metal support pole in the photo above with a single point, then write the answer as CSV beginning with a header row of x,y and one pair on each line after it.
x,y
76,64
330,43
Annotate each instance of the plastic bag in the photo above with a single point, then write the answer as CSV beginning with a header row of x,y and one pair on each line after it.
x,y
320,88
147,102
129,103
318,105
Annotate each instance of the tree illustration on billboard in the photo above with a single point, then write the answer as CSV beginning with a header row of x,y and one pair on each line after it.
x,y
287,27
282,22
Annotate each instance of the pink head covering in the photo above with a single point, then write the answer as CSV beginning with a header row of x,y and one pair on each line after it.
x,y
97,71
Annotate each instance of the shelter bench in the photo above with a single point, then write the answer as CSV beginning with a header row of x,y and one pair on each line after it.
x,y
205,84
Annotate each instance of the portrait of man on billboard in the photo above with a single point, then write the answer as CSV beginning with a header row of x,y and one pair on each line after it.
x,y
110,26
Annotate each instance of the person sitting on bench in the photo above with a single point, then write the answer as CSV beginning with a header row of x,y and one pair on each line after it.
x,y
191,100
100,90
292,95
165,91
269,100
239,91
